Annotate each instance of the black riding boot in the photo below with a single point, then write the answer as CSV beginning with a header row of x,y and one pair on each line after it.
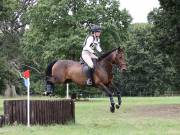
x,y
89,73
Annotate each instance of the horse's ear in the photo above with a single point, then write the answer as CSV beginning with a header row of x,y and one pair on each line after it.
x,y
119,49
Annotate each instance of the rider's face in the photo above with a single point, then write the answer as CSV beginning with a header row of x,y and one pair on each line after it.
x,y
97,34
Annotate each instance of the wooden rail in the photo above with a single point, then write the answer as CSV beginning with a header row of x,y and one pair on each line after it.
x,y
42,112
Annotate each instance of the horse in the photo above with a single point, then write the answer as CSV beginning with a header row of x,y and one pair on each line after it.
x,y
63,71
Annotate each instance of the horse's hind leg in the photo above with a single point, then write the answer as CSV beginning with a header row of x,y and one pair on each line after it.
x,y
110,94
49,86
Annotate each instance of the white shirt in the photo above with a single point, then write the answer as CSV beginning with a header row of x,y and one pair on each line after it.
x,y
91,44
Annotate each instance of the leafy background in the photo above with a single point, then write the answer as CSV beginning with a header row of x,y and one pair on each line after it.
x,y
34,33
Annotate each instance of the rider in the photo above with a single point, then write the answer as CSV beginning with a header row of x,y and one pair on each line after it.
x,y
91,44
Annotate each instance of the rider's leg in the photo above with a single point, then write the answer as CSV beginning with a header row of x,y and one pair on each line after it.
x,y
87,58
89,74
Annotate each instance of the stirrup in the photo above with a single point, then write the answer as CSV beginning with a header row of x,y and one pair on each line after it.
x,y
89,82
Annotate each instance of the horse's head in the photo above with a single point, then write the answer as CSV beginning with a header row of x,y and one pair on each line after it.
x,y
120,59
116,56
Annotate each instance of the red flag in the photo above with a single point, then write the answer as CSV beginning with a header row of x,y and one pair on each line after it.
x,y
26,74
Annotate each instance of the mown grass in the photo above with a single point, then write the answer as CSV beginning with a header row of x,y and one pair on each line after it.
x,y
93,118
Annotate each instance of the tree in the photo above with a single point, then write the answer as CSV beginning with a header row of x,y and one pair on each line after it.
x,y
12,25
166,20
149,71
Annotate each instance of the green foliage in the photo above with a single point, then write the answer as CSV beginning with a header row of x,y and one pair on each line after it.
x,y
12,25
2,74
58,29
166,20
149,71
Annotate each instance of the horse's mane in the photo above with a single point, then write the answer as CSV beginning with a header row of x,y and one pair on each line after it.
x,y
106,54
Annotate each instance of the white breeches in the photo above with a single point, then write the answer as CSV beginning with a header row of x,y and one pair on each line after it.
x,y
87,57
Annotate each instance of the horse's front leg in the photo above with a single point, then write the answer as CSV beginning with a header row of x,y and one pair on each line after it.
x,y
118,93
110,94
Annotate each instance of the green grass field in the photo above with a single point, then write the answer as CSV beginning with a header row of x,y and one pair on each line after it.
x,y
137,116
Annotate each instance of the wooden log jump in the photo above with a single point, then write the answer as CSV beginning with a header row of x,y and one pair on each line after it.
x,y
42,112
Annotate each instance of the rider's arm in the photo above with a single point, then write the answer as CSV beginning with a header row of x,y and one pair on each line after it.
x,y
87,46
98,47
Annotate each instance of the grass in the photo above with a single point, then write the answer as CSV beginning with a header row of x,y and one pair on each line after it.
x,y
94,118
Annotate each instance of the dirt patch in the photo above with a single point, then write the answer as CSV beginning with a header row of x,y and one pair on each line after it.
x,y
162,111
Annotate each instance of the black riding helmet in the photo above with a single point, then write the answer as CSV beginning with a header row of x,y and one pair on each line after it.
x,y
95,28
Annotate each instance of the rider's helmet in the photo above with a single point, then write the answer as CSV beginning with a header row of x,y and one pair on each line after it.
x,y
95,28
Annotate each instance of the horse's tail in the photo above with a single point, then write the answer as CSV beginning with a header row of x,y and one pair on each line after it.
x,y
49,86
49,68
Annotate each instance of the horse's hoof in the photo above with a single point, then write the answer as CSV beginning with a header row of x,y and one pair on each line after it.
x,y
112,109
117,106
46,93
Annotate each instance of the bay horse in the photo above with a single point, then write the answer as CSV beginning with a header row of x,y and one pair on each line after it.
x,y
62,71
